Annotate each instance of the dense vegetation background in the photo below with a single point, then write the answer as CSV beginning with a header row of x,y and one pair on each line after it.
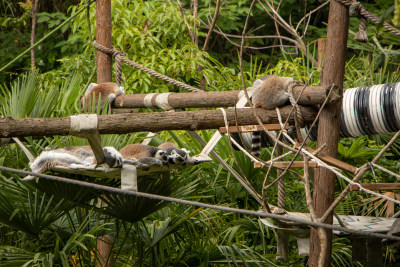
x,y
49,224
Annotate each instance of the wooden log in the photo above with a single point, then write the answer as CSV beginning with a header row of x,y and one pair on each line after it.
x,y
312,95
103,37
377,186
104,74
328,127
153,122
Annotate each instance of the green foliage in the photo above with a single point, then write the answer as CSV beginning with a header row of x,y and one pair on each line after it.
x,y
45,223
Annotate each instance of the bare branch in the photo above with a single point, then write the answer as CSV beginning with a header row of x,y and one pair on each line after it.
x,y
195,12
251,47
309,15
289,29
34,22
185,21
211,28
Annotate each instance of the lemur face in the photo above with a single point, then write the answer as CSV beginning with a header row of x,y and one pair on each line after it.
x,y
178,158
162,155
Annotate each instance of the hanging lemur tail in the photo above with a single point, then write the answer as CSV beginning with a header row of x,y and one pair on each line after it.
x,y
256,144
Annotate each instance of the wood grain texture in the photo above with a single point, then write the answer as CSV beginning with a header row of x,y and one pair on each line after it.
x,y
103,37
312,95
153,122
329,122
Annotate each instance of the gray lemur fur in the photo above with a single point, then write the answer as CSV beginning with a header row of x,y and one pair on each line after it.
x,y
144,156
272,92
105,92
80,155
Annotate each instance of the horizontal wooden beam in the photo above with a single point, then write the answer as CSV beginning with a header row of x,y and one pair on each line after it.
x,y
153,122
333,161
377,186
312,95
251,128
285,164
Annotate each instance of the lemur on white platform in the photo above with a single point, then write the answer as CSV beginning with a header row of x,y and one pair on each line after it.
x,y
144,155
81,155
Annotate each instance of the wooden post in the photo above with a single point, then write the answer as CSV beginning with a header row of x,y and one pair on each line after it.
x,y
104,74
321,50
103,37
329,122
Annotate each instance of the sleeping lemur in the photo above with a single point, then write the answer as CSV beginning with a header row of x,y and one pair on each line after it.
x,y
81,155
143,156
105,91
271,94
175,155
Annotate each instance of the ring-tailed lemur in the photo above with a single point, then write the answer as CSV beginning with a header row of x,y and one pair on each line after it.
x,y
175,155
106,91
81,155
144,156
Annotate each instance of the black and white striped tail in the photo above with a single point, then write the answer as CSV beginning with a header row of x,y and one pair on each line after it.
x,y
256,144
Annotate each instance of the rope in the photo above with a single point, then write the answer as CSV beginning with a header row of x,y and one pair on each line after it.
x,y
199,204
281,185
121,56
362,36
118,66
362,11
299,115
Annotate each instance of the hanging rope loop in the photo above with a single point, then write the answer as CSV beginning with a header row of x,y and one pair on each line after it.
x,y
121,57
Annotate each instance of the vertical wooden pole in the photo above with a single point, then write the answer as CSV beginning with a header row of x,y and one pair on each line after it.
x,y
329,121
104,74
321,50
103,37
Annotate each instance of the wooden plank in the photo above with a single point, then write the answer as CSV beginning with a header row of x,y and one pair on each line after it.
x,y
377,186
333,161
151,122
251,128
284,164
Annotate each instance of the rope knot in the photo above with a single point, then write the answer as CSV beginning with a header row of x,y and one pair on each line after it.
x,y
299,115
117,53
356,6
361,35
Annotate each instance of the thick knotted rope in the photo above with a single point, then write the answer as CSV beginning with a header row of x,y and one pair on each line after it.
x,y
362,11
118,66
122,58
361,36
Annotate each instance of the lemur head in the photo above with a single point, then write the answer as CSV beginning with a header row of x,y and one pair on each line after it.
x,y
162,155
112,157
179,156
